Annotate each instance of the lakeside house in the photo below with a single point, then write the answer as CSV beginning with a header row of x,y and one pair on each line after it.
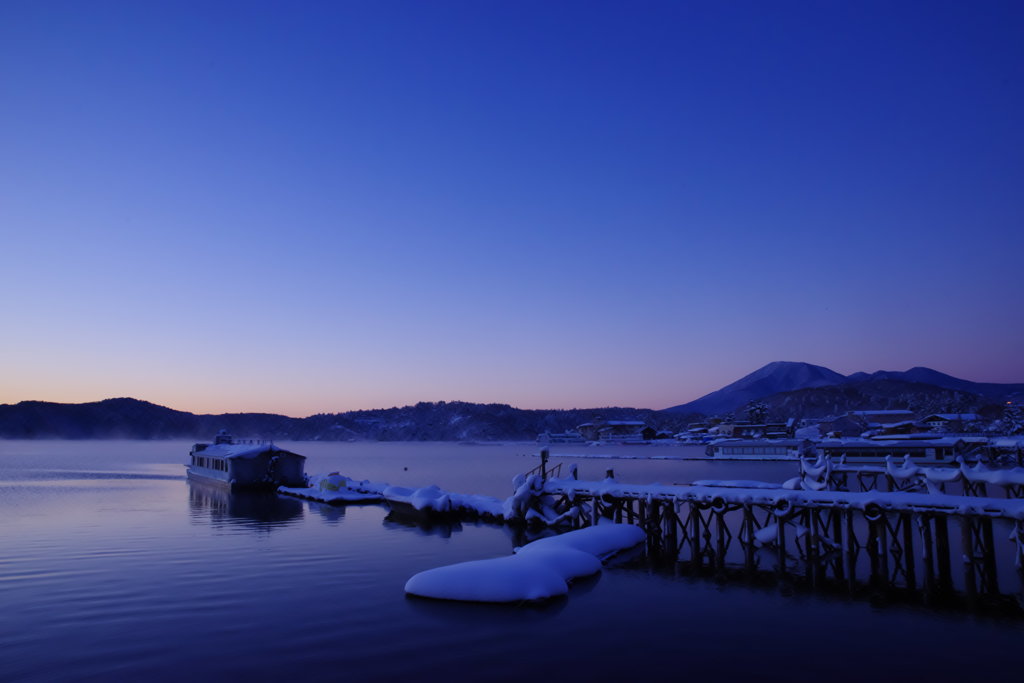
x,y
857,422
945,422
617,431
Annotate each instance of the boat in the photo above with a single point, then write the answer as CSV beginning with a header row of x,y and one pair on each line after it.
x,y
561,437
245,464
938,451
757,449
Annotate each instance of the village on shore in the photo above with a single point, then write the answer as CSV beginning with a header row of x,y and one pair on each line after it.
x,y
862,435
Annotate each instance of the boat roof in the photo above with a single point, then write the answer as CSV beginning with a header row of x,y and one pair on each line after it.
x,y
888,443
231,451
759,442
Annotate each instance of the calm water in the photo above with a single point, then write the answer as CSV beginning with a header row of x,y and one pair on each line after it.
x,y
113,568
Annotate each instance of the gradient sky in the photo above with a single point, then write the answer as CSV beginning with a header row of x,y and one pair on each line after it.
x,y
314,207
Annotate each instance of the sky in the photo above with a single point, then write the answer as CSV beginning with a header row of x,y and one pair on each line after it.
x,y
324,206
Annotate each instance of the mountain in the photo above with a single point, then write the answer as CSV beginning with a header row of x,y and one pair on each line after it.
x,y
127,418
804,390
773,378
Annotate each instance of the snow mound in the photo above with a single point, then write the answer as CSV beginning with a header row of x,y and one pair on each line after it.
x,y
426,499
538,571
602,541
569,563
501,579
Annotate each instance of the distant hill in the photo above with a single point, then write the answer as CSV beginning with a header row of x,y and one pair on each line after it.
x,y
804,390
772,379
991,391
127,418
789,389
877,394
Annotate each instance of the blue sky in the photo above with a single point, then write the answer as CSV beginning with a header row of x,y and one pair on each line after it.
x,y
314,207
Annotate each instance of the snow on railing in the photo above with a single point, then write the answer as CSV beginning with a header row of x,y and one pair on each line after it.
x,y
976,480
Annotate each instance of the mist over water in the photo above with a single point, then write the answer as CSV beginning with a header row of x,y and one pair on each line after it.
x,y
114,567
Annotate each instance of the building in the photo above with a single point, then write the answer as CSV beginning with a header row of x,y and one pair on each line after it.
x,y
615,430
949,422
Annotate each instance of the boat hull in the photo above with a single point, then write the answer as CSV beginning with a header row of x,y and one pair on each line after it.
x,y
228,485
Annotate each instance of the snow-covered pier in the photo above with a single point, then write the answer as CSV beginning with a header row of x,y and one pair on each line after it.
x,y
952,547
955,534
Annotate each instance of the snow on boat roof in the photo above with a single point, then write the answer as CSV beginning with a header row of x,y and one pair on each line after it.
x,y
901,440
244,450
760,442
881,412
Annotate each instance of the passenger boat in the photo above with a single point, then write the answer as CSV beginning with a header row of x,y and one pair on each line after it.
x,y
757,449
245,464
938,451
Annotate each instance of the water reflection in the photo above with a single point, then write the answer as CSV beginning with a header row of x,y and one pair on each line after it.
x,y
65,475
252,509
815,577
422,524
331,514
487,614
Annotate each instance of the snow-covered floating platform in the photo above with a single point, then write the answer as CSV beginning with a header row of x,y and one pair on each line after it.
x,y
537,571
524,505
335,489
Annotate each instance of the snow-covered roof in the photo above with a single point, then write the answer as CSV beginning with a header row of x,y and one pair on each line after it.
x,y
790,443
232,451
889,443
866,413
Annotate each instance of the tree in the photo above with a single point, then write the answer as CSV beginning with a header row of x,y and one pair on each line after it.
x,y
1013,419
757,412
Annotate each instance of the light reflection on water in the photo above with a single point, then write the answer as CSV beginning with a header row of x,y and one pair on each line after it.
x,y
128,572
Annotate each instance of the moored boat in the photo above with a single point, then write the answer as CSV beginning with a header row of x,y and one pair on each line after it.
x,y
245,464
757,449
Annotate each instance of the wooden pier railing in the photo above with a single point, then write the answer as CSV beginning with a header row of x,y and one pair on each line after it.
x,y
950,549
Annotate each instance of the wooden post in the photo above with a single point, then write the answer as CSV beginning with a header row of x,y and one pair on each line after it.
x,y
883,550
942,552
908,550
837,539
811,543
780,541
748,549
970,581
544,464
850,550
873,546
989,556
676,522
928,555
720,541
695,548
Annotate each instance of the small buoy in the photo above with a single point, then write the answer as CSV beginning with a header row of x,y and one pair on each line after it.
x,y
406,469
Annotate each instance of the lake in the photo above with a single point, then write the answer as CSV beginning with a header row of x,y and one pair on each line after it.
x,y
114,567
